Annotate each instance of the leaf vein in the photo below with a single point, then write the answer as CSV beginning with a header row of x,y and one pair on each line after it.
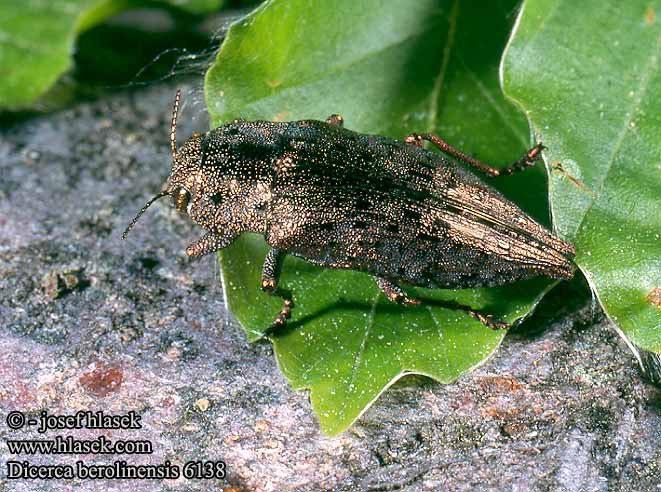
x,y
440,334
361,352
438,82
492,102
334,70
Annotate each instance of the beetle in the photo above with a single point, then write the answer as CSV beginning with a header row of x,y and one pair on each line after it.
x,y
341,199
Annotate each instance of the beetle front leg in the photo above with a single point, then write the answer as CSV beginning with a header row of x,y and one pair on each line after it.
x,y
394,292
209,243
270,276
527,160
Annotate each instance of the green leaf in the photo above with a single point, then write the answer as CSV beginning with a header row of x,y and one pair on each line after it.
x,y
196,6
587,74
37,40
389,68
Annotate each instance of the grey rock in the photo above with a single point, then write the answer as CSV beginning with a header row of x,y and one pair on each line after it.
x,y
93,322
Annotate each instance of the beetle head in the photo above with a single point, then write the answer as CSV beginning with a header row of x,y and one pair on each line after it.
x,y
211,194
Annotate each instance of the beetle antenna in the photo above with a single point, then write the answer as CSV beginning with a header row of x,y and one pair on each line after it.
x,y
173,147
173,127
142,211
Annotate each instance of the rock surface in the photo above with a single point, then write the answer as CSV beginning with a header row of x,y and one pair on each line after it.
x,y
93,322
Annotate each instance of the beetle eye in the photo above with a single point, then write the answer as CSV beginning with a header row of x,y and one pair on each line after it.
x,y
181,199
216,198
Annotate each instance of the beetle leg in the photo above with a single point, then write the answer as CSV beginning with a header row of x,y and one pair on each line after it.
x,y
527,160
281,319
488,320
335,119
270,275
394,292
271,269
209,243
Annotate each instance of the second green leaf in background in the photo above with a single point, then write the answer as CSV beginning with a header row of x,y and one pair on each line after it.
x,y
587,74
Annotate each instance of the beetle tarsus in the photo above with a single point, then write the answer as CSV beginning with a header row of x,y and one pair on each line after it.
x,y
527,160
280,320
489,321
